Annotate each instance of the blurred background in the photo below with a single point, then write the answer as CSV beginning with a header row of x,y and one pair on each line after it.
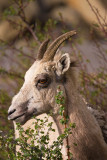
x,y
25,24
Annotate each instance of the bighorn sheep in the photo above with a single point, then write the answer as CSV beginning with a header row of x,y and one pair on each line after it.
x,y
37,96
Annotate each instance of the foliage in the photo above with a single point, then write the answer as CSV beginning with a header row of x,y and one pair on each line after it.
x,y
60,100
94,88
39,147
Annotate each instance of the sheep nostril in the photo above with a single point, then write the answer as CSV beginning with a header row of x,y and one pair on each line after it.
x,y
10,112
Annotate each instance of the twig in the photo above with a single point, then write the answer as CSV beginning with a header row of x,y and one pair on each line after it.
x,y
98,17
23,17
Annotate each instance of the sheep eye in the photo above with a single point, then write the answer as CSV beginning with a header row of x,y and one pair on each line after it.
x,y
42,81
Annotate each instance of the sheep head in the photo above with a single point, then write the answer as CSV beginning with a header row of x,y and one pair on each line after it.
x,y
37,94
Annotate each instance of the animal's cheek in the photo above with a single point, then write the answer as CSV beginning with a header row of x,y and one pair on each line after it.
x,y
37,95
50,96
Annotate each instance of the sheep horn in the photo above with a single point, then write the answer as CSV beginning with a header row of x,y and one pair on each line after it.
x,y
42,49
50,52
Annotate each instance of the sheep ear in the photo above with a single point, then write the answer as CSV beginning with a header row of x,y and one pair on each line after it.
x,y
63,64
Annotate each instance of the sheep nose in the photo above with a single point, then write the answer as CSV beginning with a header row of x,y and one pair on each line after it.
x,y
11,111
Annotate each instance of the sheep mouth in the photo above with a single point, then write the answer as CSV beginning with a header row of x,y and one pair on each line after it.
x,y
18,117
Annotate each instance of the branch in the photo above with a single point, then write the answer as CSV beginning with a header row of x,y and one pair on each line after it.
x,y
98,16
23,17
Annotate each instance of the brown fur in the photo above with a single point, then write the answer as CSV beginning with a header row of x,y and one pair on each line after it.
x,y
87,134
